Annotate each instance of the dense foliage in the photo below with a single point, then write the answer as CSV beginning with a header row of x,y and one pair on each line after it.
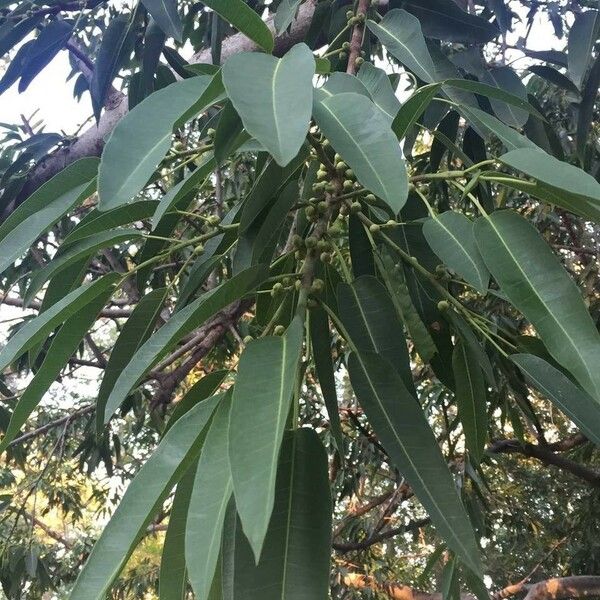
x,y
333,266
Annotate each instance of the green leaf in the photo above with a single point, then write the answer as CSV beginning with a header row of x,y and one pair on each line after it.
x,y
380,88
338,83
368,314
504,78
63,346
180,324
262,397
74,253
470,399
400,32
361,134
586,109
533,279
557,182
444,20
451,237
580,407
244,19
403,430
134,150
135,332
295,562
582,38
172,579
107,62
39,328
229,129
555,77
273,97
44,208
164,12
203,388
413,108
144,495
208,504
286,11
321,345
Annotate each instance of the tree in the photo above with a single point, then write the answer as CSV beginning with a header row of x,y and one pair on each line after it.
x,y
327,322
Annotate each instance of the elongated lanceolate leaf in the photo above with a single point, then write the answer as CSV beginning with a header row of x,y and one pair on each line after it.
x,y
401,426
38,329
208,504
261,402
273,97
413,108
451,237
361,134
135,332
135,149
180,323
470,399
504,78
582,38
164,12
380,89
580,407
173,456
296,558
243,18
534,281
400,32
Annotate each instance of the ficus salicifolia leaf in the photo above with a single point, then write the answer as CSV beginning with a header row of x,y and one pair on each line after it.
x,y
400,32
470,399
400,424
246,20
413,108
266,379
164,12
582,37
504,78
534,281
295,561
135,332
380,89
39,328
450,235
134,149
180,323
44,208
174,455
361,134
579,406
273,97
210,496
286,11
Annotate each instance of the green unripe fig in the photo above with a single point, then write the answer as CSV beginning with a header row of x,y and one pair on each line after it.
x,y
321,175
359,61
342,56
310,242
346,45
297,284
279,330
248,339
443,305
349,173
210,132
325,257
322,207
370,198
355,207
310,211
348,184
374,228
214,220
318,285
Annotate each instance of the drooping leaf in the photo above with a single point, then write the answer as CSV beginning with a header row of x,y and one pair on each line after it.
x,y
361,134
400,424
260,407
504,78
154,41
413,108
582,38
286,11
208,504
296,558
451,237
144,495
273,97
321,344
37,329
229,129
586,108
555,77
44,208
533,279
135,332
107,61
470,399
445,20
400,32
134,150
164,12
557,182
580,407
380,88
172,579
180,323
63,346
13,31
243,18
